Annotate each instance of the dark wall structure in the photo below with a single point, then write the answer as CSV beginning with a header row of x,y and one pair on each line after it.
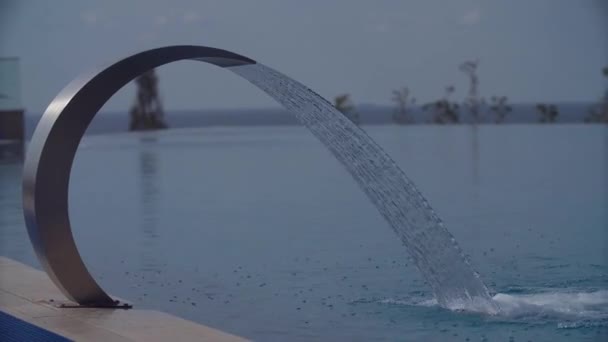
x,y
12,135
12,122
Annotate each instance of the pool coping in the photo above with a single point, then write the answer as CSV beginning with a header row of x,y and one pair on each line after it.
x,y
28,294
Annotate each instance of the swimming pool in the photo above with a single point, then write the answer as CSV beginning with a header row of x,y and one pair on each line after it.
x,y
260,232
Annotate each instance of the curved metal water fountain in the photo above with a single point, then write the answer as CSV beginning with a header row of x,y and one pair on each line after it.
x,y
51,154
53,147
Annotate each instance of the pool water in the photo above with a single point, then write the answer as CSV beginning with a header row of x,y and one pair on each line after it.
x,y
260,232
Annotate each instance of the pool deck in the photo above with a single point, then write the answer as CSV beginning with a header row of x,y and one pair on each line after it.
x,y
26,294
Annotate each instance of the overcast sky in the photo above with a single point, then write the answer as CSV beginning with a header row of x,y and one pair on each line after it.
x,y
529,50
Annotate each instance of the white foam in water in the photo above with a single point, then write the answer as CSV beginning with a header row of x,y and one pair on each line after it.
x,y
570,310
433,248
583,305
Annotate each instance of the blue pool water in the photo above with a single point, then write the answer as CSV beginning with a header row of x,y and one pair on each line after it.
x,y
13,329
260,232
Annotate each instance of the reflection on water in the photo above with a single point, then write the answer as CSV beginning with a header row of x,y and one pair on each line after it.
x,y
475,154
149,188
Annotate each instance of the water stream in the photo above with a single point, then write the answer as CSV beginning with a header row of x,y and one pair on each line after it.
x,y
433,248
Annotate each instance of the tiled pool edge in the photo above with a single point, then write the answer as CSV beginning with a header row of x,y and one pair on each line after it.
x,y
25,293
13,329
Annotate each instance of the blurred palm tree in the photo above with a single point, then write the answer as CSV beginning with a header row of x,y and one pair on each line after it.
x,y
473,102
344,104
500,107
548,112
147,111
403,101
599,112
444,110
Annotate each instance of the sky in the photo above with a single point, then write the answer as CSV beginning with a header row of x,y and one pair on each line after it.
x,y
528,50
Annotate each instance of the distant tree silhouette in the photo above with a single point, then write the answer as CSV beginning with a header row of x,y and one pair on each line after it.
x,y
500,107
473,102
548,112
403,101
344,104
599,112
444,111
147,111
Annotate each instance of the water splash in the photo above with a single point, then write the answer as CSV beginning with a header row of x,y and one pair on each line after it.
x,y
574,305
433,248
569,309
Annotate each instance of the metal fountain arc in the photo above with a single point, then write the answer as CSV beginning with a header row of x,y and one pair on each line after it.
x,y
51,154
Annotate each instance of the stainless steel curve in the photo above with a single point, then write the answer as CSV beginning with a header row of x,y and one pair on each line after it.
x,y
51,153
